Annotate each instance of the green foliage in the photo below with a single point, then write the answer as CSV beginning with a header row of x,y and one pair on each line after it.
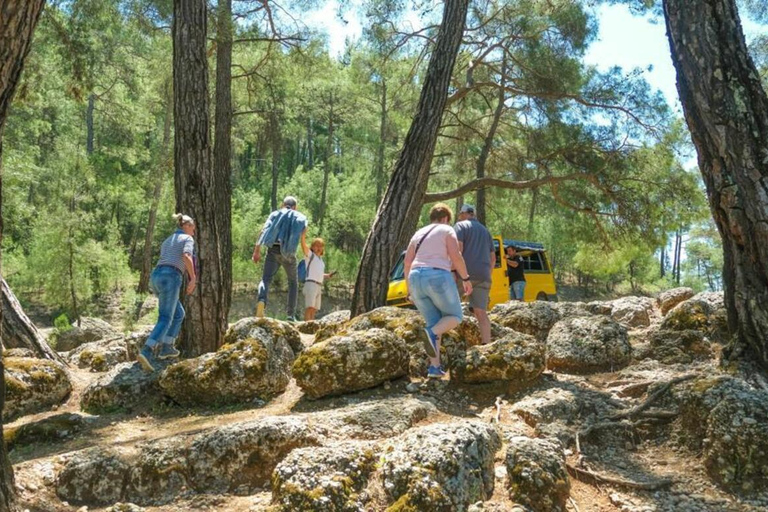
x,y
62,323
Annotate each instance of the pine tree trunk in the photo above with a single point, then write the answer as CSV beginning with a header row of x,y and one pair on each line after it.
x,y
726,110
222,152
197,187
326,167
382,142
488,143
146,260
19,18
89,123
18,331
399,210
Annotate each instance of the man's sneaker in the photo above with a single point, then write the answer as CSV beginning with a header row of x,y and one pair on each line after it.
x,y
260,309
430,342
146,355
435,372
167,351
291,319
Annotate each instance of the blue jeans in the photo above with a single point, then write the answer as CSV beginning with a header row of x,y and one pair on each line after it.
x,y
517,290
274,260
434,293
166,282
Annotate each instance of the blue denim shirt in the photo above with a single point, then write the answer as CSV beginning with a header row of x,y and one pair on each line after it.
x,y
284,226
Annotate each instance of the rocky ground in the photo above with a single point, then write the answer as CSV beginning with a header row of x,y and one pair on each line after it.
x,y
602,406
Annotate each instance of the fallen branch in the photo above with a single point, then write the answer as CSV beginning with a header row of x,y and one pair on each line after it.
x,y
651,399
636,389
591,477
573,504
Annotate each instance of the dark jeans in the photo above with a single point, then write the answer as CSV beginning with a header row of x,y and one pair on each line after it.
x,y
274,260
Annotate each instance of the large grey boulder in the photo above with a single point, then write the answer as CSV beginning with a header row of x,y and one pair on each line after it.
x,y
536,474
90,329
33,385
442,466
668,299
633,312
587,344
99,356
534,318
343,364
324,479
245,454
727,419
47,430
375,419
679,347
126,386
704,312
96,476
255,362
517,358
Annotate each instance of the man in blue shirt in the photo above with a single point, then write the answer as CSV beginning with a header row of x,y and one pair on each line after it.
x,y
284,230
476,245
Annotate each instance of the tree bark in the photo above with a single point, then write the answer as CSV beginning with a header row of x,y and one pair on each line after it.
x,y
726,110
146,262
18,331
488,144
19,18
197,186
327,166
382,142
222,151
89,123
399,210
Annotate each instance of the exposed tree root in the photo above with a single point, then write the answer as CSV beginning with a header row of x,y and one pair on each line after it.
x,y
591,477
651,399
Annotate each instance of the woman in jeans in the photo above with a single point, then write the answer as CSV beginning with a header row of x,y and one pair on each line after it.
x,y
176,258
431,254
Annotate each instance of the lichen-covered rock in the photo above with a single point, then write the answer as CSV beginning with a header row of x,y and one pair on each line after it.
x,y
702,312
679,347
356,361
633,311
405,323
335,317
246,453
534,318
308,327
325,479
563,402
736,446
50,429
159,473
517,358
442,466
125,507
670,298
33,385
375,419
90,329
19,352
587,344
536,474
255,362
265,330
599,307
570,309
96,476
728,420
125,386
98,356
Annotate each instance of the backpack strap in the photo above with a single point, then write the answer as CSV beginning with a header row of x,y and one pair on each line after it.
x,y
310,262
422,240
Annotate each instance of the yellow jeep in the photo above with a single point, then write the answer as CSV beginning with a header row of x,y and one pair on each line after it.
x,y
540,281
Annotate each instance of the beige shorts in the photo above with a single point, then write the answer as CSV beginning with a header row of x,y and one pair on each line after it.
x,y
312,295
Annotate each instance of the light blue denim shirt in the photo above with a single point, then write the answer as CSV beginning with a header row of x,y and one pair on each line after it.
x,y
284,227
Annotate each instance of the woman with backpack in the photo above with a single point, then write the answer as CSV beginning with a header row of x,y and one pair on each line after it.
x,y
432,252
315,274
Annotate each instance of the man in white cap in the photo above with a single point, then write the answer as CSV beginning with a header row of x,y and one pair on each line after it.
x,y
476,245
284,230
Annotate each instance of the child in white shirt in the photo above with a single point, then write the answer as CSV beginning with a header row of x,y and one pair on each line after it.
x,y
313,286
